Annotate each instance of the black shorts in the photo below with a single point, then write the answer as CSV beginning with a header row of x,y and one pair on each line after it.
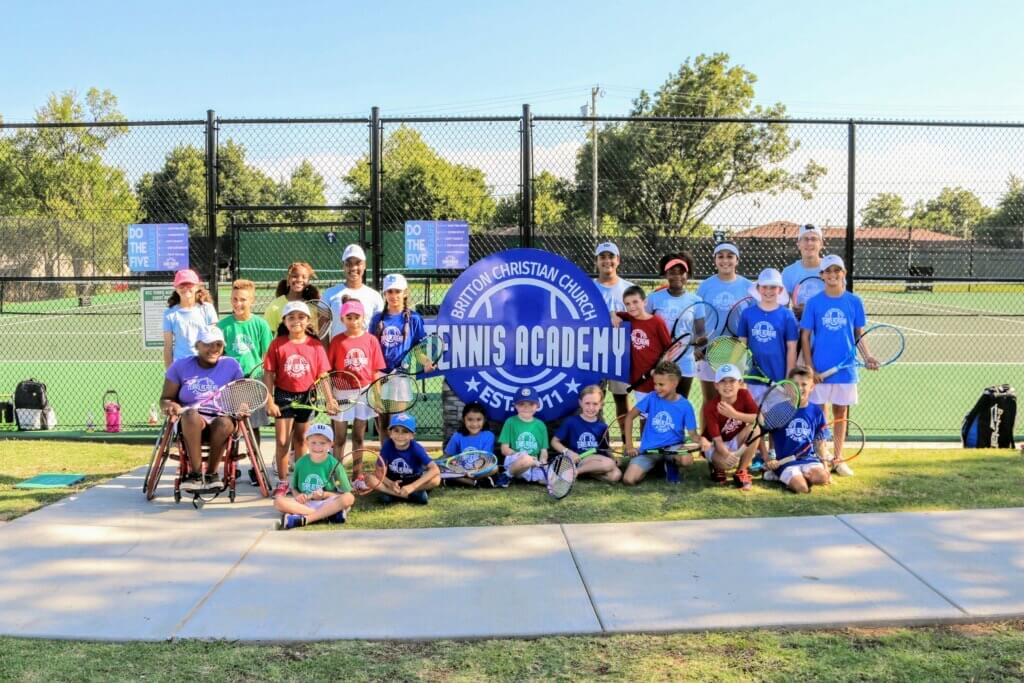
x,y
284,399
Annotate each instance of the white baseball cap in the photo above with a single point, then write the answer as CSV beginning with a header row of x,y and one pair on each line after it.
x,y
728,371
727,246
770,277
353,251
318,428
606,246
293,306
211,334
395,281
810,229
829,261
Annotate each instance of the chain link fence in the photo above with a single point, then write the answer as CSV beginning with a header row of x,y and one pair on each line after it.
x,y
935,213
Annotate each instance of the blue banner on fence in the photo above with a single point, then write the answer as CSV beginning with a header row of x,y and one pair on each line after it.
x,y
528,318
157,247
436,245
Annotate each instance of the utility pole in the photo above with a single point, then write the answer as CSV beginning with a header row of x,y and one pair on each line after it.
x,y
595,92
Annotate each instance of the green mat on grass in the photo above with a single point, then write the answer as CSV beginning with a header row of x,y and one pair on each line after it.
x,y
50,481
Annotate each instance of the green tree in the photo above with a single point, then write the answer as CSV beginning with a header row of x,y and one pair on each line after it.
x,y
955,211
885,210
668,177
71,205
419,183
305,187
1004,227
551,205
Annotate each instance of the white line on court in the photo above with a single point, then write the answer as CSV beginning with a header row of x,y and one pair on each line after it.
x,y
921,333
947,308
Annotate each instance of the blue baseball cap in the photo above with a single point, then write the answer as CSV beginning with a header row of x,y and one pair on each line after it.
x,y
527,395
403,420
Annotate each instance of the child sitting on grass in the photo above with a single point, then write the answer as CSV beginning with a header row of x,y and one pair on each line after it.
x,y
804,437
320,487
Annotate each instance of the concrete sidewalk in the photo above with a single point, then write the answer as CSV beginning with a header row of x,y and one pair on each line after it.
x,y
107,565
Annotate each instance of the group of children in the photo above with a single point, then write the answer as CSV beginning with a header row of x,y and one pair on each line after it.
x,y
370,334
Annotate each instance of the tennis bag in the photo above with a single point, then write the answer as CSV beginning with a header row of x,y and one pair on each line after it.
x,y
989,424
31,407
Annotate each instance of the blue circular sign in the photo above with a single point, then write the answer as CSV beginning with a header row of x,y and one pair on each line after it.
x,y
526,318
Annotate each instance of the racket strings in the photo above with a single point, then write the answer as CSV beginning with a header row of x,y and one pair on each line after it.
x,y
779,405
391,394
242,396
885,343
321,318
728,351
561,476
431,348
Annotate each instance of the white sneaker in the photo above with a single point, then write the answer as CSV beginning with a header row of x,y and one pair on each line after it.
x,y
842,469
770,475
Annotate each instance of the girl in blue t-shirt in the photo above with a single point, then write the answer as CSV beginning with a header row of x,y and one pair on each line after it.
x,y
472,435
189,311
587,432
721,290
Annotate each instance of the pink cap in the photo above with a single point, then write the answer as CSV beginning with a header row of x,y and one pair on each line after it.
x,y
352,306
186,277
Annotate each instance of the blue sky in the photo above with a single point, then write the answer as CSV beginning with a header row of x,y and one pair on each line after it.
x,y
926,59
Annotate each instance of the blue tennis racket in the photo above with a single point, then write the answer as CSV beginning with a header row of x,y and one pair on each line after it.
x,y
882,343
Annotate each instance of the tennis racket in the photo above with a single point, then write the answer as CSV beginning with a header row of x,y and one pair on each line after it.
x,y
472,463
778,406
732,321
340,388
804,290
387,395
691,328
427,352
320,318
559,475
240,397
367,471
255,373
884,342
732,351
853,442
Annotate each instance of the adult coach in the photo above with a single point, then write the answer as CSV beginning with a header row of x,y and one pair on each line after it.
x,y
353,260
612,287
810,241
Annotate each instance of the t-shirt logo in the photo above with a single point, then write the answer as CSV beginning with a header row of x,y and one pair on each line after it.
x,y
527,443
297,366
763,331
662,422
200,387
834,319
356,360
723,300
732,425
400,466
798,430
640,339
392,336
586,441
312,482
243,345
671,313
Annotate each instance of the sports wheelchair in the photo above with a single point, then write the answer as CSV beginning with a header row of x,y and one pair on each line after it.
x,y
171,446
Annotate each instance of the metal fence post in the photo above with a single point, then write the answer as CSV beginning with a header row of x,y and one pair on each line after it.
x,y
851,199
211,201
376,220
526,180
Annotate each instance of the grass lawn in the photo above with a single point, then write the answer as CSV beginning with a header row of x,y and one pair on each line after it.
x,y
986,652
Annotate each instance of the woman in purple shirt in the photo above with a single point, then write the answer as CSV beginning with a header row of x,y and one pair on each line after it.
x,y
188,381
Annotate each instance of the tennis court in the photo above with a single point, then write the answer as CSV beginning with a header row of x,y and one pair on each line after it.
x,y
961,337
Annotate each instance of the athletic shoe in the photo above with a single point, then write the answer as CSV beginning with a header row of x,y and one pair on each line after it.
x,y
770,475
743,480
842,469
281,489
291,522
419,497
672,472
502,481
252,476
212,481
718,476
757,465
192,482
338,517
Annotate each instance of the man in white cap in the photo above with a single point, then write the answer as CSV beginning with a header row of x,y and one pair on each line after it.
x,y
810,241
612,287
829,328
354,262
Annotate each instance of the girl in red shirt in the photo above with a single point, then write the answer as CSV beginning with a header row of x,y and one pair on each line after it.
x,y
293,362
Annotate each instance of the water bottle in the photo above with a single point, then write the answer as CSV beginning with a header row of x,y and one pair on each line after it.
x,y
90,423
154,418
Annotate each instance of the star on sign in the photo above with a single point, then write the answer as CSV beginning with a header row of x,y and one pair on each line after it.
x,y
473,385
572,386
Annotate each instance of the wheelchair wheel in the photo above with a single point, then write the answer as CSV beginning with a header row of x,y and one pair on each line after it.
x,y
158,460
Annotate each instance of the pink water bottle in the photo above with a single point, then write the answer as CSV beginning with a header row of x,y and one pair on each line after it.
x,y
112,410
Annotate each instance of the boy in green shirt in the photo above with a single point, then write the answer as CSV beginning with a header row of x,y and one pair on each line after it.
x,y
319,483
523,440
246,338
